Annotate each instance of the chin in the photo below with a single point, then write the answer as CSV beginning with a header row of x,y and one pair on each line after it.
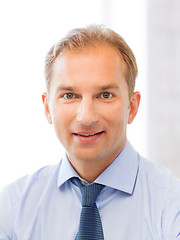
x,y
86,156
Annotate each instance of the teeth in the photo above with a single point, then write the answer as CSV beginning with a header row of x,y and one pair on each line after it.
x,y
86,135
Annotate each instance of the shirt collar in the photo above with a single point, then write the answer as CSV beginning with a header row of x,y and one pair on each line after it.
x,y
66,171
121,173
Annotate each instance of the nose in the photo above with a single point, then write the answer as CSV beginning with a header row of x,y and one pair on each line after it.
x,y
86,114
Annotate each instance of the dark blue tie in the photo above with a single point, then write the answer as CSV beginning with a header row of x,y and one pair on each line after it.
x,y
90,227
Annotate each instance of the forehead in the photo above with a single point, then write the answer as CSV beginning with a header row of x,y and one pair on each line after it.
x,y
104,52
101,62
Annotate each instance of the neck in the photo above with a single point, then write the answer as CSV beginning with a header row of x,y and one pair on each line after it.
x,y
90,167
89,170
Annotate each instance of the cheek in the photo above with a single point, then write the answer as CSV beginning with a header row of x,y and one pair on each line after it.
x,y
118,125
59,118
117,115
59,112
62,119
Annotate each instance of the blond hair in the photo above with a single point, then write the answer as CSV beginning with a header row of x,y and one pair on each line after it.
x,y
93,36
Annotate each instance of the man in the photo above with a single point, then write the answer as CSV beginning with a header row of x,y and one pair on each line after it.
x,y
90,99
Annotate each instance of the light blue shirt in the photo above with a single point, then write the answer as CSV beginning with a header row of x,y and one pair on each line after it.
x,y
141,201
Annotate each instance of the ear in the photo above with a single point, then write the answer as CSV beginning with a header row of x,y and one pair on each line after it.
x,y
134,105
46,107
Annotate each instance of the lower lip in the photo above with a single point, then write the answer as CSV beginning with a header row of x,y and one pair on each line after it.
x,y
90,139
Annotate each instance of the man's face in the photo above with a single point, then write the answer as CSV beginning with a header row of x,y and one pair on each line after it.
x,y
88,103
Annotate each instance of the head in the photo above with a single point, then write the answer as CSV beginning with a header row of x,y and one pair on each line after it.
x,y
90,96
81,39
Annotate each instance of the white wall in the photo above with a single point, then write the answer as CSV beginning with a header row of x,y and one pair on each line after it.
x,y
164,83
28,29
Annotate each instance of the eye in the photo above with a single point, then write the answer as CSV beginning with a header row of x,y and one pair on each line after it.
x,y
106,95
68,95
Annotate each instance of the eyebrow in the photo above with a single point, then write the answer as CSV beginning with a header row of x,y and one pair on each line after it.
x,y
110,86
65,88
101,88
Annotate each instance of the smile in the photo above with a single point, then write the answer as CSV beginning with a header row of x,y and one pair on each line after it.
x,y
88,138
88,134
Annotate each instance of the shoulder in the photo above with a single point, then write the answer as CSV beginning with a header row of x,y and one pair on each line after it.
x,y
15,193
162,191
159,176
41,176
163,194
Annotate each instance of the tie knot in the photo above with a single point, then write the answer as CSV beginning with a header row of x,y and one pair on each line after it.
x,y
89,193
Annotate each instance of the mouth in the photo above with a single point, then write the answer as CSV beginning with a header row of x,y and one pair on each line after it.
x,y
88,137
88,134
